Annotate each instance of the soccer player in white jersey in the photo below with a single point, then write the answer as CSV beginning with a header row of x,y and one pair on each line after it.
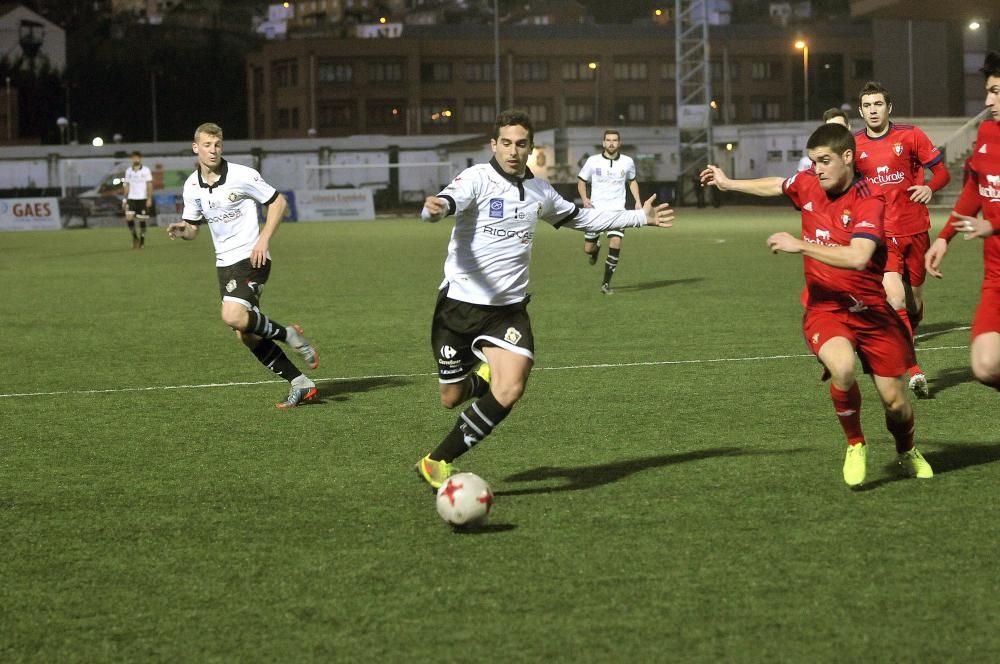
x,y
225,196
481,313
608,174
138,201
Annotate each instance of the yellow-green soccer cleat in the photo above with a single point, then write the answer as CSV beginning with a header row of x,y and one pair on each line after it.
x,y
434,472
914,464
483,371
854,464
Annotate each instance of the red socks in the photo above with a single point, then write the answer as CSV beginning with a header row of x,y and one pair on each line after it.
x,y
848,407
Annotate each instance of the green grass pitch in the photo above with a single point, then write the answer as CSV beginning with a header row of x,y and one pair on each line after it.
x,y
669,489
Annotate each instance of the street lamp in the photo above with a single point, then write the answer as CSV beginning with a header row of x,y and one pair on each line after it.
x,y
804,47
62,123
593,67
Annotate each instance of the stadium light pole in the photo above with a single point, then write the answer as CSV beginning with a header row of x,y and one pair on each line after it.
x,y
593,67
804,47
496,53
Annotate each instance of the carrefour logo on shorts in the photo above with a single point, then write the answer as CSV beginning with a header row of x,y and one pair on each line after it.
x,y
496,208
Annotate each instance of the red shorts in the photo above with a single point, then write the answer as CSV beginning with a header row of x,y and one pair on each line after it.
x,y
878,335
988,312
906,256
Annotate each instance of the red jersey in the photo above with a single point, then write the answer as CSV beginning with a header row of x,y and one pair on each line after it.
x,y
833,221
891,163
981,191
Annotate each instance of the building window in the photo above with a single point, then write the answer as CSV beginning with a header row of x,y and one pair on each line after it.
x,y
668,111
719,70
630,71
531,71
633,110
385,72
386,113
580,111
864,69
288,118
480,72
765,71
764,110
334,114
435,72
285,73
332,71
577,71
668,71
537,111
480,112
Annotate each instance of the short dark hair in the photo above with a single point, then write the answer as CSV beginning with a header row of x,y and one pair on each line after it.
x,y
835,136
136,153
510,118
832,113
991,65
612,131
874,88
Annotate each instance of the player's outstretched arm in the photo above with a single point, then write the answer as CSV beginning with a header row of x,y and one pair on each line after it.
x,y
715,176
934,256
182,230
658,215
434,209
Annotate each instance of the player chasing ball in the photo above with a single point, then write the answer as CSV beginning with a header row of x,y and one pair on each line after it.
x,y
844,255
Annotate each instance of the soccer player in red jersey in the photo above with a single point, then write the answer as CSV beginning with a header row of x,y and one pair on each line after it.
x,y
892,158
844,253
981,192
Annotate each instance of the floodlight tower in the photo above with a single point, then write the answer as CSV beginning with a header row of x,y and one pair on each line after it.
x,y
693,94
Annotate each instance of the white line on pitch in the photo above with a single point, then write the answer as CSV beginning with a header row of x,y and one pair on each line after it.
x,y
618,365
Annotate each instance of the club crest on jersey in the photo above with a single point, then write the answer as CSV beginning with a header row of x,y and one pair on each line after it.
x,y
232,197
897,148
231,286
496,208
864,155
815,339
845,218
512,336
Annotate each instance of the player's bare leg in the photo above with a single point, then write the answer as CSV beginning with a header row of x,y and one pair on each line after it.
x,y
130,222
897,294
899,422
984,357
592,247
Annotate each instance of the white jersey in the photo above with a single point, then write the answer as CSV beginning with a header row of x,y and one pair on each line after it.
x,y
138,180
230,208
608,179
495,217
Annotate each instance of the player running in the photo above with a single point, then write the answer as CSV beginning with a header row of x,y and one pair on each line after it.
x,y
892,158
981,192
844,253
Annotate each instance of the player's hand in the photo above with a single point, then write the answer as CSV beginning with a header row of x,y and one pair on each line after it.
x,y
435,207
661,215
920,193
933,257
784,242
973,227
713,175
587,203
258,255
177,229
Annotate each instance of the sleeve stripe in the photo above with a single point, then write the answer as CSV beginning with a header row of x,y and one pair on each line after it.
x,y
451,204
568,217
193,222
272,198
868,236
935,160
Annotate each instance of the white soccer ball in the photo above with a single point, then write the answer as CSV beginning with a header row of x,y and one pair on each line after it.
x,y
465,500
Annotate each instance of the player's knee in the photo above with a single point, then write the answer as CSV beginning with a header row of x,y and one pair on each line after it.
x,y
508,393
450,396
235,318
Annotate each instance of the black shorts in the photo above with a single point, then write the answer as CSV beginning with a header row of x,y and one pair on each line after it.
x,y
594,237
242,283
138,207
460,330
